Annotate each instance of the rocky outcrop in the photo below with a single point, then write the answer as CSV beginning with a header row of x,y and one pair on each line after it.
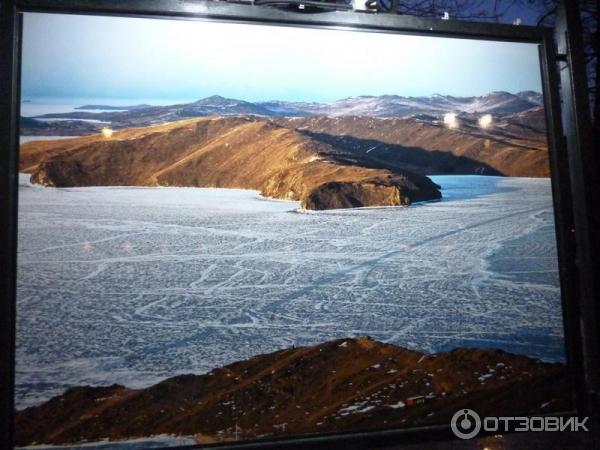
x,y
336,195
231,152
375,192
341,385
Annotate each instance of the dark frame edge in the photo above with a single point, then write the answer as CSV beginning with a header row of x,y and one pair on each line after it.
x,y
10,44
222,10
584,167
564,223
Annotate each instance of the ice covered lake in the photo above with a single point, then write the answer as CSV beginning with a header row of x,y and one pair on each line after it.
x,y
132,285
157,442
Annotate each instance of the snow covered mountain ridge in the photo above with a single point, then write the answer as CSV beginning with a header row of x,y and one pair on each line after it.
x,y
496,103
499,103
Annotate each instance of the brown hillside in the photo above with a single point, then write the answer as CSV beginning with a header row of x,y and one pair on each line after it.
x,y
513,146
232,152
347,384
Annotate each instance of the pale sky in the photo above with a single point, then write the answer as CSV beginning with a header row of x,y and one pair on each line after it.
x,y
88,56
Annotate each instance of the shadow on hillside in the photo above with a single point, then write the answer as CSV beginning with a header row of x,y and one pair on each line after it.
x,y
379,155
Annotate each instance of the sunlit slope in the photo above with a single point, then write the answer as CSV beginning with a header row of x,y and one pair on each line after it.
x,y
225,152
514,145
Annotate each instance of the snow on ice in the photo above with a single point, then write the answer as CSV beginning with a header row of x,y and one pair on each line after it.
x,y
132,285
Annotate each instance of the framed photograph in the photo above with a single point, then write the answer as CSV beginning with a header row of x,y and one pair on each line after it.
x,y
261,227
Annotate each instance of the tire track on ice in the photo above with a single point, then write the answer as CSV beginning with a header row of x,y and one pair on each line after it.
x,y
336,277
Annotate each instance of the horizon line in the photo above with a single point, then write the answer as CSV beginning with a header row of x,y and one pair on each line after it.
x,y
28,98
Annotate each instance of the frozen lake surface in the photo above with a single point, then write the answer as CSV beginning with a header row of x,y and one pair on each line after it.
x,y
158,442
132,285
25,139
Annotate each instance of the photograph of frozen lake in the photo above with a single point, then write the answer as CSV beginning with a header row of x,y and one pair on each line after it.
x,y
132,285
216,244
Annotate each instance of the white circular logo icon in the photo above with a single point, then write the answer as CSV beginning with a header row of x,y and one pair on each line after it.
x,y
465,423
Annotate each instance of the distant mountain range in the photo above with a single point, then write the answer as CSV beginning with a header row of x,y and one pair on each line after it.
x,y
496,103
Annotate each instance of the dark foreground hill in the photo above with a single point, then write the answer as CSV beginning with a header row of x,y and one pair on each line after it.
x,y
342,385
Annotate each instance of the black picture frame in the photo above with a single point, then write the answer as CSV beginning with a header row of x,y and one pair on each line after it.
x,y
561,161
